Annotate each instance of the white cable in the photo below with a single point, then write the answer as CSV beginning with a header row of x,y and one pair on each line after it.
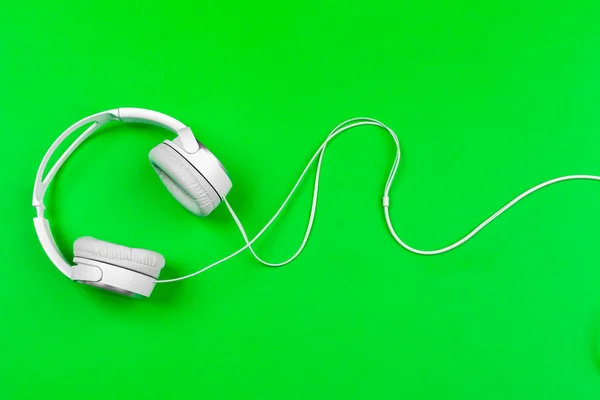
x,y
349,124
487,221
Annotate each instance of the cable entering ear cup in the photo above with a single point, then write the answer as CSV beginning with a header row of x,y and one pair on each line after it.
x,y
183,180
139,260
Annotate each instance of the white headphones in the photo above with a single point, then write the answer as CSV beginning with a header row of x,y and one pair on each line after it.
x,y
199,183
189,171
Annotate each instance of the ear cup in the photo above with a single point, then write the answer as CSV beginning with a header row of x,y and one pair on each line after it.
x,y
139,260
183,180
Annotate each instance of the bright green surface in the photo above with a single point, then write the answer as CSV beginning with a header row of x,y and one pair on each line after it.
x,y
488,98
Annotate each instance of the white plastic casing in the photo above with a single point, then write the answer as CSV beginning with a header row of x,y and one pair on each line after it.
x,y
207,164
42,228
112,277
143,116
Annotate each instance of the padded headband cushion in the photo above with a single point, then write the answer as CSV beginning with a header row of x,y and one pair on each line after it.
x,y
144,261
185,183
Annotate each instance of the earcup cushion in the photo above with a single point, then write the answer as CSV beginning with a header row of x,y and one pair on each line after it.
x,y
185,183
144,261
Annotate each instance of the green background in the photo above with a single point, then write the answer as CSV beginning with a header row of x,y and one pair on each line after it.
x,y
488,98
